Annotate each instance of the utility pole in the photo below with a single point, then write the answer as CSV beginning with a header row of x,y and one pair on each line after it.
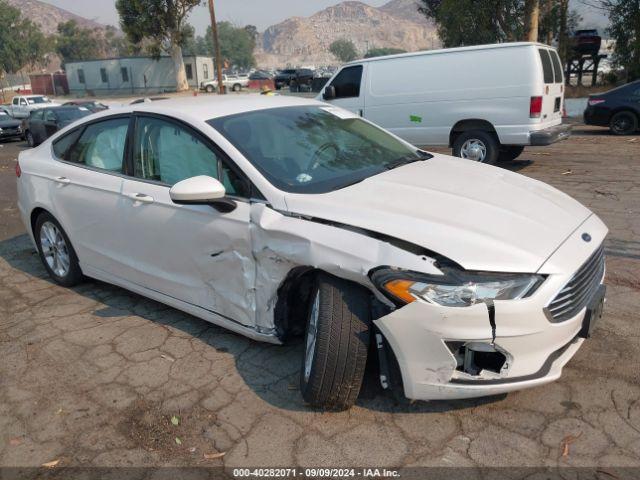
x,y
216,46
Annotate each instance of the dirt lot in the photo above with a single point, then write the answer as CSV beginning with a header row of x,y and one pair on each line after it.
x,y
94,375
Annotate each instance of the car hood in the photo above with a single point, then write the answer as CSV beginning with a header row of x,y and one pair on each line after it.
x,y
482,217
11,123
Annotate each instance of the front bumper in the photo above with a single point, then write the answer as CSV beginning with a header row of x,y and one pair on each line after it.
x,y
550,135
423,336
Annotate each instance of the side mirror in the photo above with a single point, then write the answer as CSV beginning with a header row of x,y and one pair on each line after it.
x,y
202,190
329,93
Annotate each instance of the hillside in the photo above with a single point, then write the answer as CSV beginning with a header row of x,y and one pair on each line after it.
x,y
47,16
306,40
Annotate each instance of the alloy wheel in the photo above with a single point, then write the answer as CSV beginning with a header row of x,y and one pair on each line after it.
x,y
312,333
54,249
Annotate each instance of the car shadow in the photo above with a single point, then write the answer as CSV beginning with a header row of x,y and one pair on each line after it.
x,y
271,371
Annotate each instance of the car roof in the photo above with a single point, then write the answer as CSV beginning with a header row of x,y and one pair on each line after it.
x,y
214,106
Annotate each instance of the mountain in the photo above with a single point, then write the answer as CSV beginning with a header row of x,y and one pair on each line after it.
x,y
47,16
305,40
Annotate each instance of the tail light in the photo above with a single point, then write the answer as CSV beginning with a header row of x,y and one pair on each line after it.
x,y
596,101
18,169
535,107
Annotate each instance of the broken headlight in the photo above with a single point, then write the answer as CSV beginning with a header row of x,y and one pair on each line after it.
x,y
455,288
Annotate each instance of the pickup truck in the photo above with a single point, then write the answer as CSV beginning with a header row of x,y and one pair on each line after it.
x,y
21,105
234,82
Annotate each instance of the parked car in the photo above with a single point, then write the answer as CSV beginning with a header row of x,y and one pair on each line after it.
x,y
477,280
91,105
234,82
283,78
618,109
302,80
10,128
510,98
259,75
586,42
22,105
44,122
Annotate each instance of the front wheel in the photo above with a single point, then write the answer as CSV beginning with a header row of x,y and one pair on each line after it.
x,y
236,87
336,343
210,89
476,145
56,252
623,123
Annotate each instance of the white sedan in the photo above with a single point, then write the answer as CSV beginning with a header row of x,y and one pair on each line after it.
x,y
277,217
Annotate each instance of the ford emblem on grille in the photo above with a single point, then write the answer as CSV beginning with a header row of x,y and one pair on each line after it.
x,y
586,237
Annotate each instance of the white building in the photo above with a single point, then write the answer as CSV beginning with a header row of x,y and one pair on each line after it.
x,y
134,75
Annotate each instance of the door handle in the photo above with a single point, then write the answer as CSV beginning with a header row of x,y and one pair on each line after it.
x,y
140,197
62,180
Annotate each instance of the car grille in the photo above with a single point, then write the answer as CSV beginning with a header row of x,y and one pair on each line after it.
x,y
577,293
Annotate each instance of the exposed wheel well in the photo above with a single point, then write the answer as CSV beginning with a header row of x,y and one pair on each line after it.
x,y
471,124
34,216
290,313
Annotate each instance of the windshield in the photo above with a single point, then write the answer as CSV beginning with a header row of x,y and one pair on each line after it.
x,y
33,100
313,149
71,114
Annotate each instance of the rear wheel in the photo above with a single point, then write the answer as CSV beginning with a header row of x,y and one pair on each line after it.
x,y
336,343
476,145
56,252
236,87
623,123
510,153
210,89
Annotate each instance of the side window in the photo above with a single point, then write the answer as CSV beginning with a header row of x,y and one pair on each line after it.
x,y
62,145
15,100
49,116
101,145
347,83
547,69
557,66
23,102
36,114
167,152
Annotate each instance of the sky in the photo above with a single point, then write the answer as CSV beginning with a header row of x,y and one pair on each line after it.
x,y
261,13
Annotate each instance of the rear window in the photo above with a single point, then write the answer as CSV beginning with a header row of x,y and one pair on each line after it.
x,y
557,66
547,69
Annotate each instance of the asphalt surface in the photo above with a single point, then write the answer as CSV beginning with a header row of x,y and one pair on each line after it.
x,y
94,375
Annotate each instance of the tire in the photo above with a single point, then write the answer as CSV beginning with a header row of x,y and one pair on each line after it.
x,y
623,123
46,231
510,153
30,140
482,145
210,89
236,87
334,359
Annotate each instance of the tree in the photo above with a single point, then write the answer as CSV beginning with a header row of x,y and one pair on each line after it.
x,y
474,22
73,43
344,50
624,18
531,17
22,43
162,23
379,52
236,44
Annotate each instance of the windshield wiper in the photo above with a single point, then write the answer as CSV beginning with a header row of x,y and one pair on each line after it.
x,y
399,162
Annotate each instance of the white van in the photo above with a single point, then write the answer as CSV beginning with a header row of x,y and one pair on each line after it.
x,y
486,102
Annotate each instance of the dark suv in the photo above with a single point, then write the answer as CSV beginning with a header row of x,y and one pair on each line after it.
x,y
44,122
284,77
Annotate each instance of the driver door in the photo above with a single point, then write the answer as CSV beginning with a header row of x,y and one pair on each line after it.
x,y
348,85
193,253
